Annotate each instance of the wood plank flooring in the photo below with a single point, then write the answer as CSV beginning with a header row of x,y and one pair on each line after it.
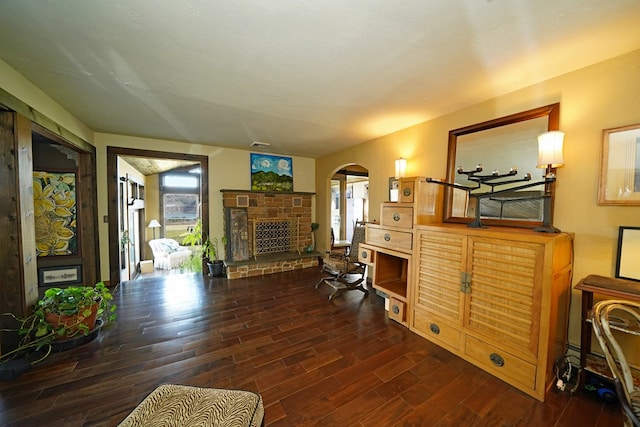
x,y
315,362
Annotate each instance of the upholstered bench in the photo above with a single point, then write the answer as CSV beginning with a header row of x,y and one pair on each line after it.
x,y
177,405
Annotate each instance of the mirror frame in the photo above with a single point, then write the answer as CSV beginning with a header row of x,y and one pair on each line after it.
x,y
552,112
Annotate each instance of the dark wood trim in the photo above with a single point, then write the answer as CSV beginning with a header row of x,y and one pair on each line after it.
x,y
112,196
11,294
87,189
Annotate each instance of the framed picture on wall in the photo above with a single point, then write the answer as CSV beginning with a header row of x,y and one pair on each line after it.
x,y
55,213
620,168
271,173
627,266
61,275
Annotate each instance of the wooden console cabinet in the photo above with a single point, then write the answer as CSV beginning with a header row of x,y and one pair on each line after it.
x,y
496,297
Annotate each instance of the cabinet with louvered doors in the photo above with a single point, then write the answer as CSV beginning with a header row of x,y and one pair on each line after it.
x,y
496,297
437,300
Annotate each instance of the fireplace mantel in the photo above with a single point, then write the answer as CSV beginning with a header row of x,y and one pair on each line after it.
x,y
282,193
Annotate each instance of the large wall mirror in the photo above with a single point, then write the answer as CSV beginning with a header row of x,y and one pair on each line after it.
x,y
499,145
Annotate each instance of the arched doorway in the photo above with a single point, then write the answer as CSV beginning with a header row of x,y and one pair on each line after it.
x,y
349,200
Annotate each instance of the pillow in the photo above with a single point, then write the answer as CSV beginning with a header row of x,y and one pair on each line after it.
x,y
168,245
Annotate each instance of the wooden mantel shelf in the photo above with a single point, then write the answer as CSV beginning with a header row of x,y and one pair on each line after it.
x,y
284,193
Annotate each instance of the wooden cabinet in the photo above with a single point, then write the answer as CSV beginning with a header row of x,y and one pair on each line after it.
x,y
496,297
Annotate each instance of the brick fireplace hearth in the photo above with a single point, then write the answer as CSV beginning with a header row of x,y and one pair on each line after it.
x,y
245,208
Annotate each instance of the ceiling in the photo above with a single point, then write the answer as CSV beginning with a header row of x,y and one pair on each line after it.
x,y
308,77
152,166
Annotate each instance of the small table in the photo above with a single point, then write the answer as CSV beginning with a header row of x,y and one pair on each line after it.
x,y
607,286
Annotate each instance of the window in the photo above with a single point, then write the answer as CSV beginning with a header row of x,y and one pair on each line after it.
x,y
180,195
181,181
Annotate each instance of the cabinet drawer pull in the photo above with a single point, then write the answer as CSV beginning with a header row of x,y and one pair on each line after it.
x,y
434,328
396,309
387,237
364,254
497,359
396,217
406,191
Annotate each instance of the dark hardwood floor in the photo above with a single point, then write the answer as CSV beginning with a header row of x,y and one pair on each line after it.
x,y
315,362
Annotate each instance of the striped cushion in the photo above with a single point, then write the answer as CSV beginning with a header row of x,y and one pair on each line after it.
x,y
175,405
635,403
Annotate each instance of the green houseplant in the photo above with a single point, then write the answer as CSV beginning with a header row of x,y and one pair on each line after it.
x,y
205,251
212,252
61,314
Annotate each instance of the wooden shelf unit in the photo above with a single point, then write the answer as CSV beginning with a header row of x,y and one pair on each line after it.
x,y
388,247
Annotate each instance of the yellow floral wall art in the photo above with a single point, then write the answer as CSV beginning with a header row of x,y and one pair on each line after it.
x,y
54,199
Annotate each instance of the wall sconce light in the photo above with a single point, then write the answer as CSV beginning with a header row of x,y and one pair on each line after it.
x,y
154,224
401,167
549,157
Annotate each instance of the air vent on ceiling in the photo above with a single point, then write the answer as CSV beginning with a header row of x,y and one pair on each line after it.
x,y
260,144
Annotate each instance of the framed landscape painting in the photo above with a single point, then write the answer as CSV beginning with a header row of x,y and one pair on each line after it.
x,y
271,173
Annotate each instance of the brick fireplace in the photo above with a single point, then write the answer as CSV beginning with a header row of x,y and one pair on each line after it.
x,y
282,224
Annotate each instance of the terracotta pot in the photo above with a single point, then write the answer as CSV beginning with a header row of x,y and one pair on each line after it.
x,y
58,319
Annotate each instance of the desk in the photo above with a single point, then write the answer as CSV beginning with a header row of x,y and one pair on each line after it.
x,y
606,286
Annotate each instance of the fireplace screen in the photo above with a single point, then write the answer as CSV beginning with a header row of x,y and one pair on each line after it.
x,y
275,236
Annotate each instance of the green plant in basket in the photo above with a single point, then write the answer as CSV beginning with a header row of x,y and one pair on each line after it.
x,y
75,309
62,313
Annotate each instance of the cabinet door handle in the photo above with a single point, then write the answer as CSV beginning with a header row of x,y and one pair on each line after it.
x,y
465,283
396,309
387,237
364,254
406,191
497,359
434,328
396,217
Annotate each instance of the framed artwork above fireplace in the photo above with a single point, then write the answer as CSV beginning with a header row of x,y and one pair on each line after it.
x,y
271,173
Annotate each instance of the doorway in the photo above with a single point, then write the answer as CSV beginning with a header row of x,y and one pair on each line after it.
x,y
349,200
132,195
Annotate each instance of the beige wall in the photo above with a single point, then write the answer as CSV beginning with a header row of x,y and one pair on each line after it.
x,y
21,88
601,96
228,169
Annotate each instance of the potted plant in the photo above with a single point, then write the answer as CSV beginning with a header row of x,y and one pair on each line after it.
x,y
197,239
211,252
62,314
75,309
205,251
